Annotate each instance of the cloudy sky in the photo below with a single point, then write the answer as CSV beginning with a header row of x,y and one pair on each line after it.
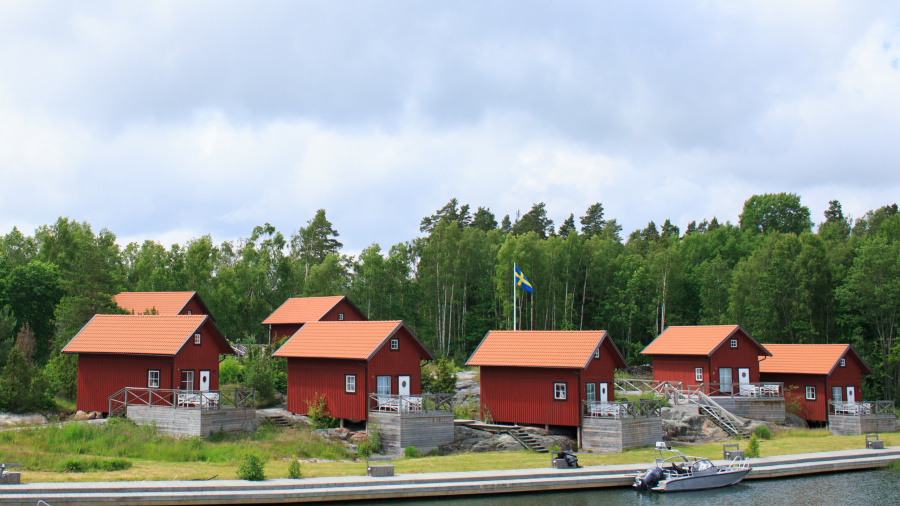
x,y
169,120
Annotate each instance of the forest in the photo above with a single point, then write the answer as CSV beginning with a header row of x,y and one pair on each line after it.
x,y
781,276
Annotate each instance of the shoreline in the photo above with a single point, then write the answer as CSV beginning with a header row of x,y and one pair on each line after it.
x,y
362,488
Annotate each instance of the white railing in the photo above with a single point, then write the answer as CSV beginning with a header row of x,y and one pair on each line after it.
x,y
410,403
862,408
622,409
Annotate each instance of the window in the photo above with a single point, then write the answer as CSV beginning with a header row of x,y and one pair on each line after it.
x,y
734,343
559,391
698,374
350,383
843,362
153,378
836,394
189,312
187,380
340,317
196,339
597,353
591,391
383,385
810,393
395,344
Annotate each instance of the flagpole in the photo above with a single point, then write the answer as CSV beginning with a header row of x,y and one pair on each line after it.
x,y
514,296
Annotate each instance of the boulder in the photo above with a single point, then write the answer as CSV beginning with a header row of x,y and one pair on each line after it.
x,y
501,443
80,415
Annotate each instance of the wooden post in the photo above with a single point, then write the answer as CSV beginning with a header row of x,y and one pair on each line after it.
x,y
342,423
579,437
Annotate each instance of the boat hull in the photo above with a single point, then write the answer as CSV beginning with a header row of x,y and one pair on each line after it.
x,y
681,484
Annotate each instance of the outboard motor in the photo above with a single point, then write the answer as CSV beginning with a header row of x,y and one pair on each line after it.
x,y
650,479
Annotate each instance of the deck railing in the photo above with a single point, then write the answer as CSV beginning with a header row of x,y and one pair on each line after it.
x,y
862,408
759,390
626,386
410,403
643,408
180,399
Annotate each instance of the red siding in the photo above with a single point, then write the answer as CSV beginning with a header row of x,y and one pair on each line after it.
x,y
194,306
282,330
817,410
100,376
351,314
525,395
198,358
601,370
309,377
679,368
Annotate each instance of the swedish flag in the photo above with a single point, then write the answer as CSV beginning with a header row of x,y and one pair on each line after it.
x,y
521,281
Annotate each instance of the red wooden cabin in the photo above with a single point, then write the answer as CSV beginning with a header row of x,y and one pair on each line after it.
x,y
542,377
814,374
161,303
719,356
347,361
296,311
147,351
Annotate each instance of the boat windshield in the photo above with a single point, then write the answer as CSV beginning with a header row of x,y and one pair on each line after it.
x,y
702,465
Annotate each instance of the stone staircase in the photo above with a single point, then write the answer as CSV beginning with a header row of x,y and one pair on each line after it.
x,y
527,440
278,420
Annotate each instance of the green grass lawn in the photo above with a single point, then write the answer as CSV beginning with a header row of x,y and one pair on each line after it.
x,y
47,452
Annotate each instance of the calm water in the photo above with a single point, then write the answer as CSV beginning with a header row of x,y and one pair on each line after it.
x,y
862,488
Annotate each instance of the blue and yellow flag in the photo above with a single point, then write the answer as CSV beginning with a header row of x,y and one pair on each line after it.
x,y
521,281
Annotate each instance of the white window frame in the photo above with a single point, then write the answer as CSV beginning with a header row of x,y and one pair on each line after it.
x,y
153,379
197,339
734,343
350,383
190,373
559,391
843,362
395,344
597,353
698,374
810,392
340,317
590,390
189,312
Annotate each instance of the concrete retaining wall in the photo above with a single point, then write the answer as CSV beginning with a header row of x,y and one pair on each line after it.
x,y
424,430
609,435
193,422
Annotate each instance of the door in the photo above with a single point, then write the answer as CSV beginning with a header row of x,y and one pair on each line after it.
x,y
851,395
744,380
725,385
204,381
403,385
604,388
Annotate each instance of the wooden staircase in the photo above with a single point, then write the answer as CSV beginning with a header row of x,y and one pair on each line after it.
x,y
278,420
527,440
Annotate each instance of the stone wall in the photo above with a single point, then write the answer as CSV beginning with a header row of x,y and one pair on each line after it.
x,y
609,435
193,422
767,410
846,425
425,430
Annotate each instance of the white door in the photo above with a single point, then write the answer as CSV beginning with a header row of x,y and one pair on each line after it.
x,y
851,395
604,388
744,380
204,381
403,385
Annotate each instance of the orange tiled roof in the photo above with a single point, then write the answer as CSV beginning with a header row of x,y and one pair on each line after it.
x,y
539,348
135,334
302,310
806,358
695,340
349,340
165,303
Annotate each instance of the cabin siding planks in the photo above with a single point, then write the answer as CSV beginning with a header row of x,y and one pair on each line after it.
x,y
351,314
609,435
846,425
199,358
404,361
424,430
100,376
677,368
193,422
525,395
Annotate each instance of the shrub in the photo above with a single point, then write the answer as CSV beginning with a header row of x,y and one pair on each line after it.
x,y
412,452
753,447
317,412
444,378
73,465
467,410
230,372
371,444
81,465
251,467
554,448
763,432
294,471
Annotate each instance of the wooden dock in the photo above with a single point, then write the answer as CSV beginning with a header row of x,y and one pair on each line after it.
x,y
361,488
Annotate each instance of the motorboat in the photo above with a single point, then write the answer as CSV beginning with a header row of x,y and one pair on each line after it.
x,y
675,472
